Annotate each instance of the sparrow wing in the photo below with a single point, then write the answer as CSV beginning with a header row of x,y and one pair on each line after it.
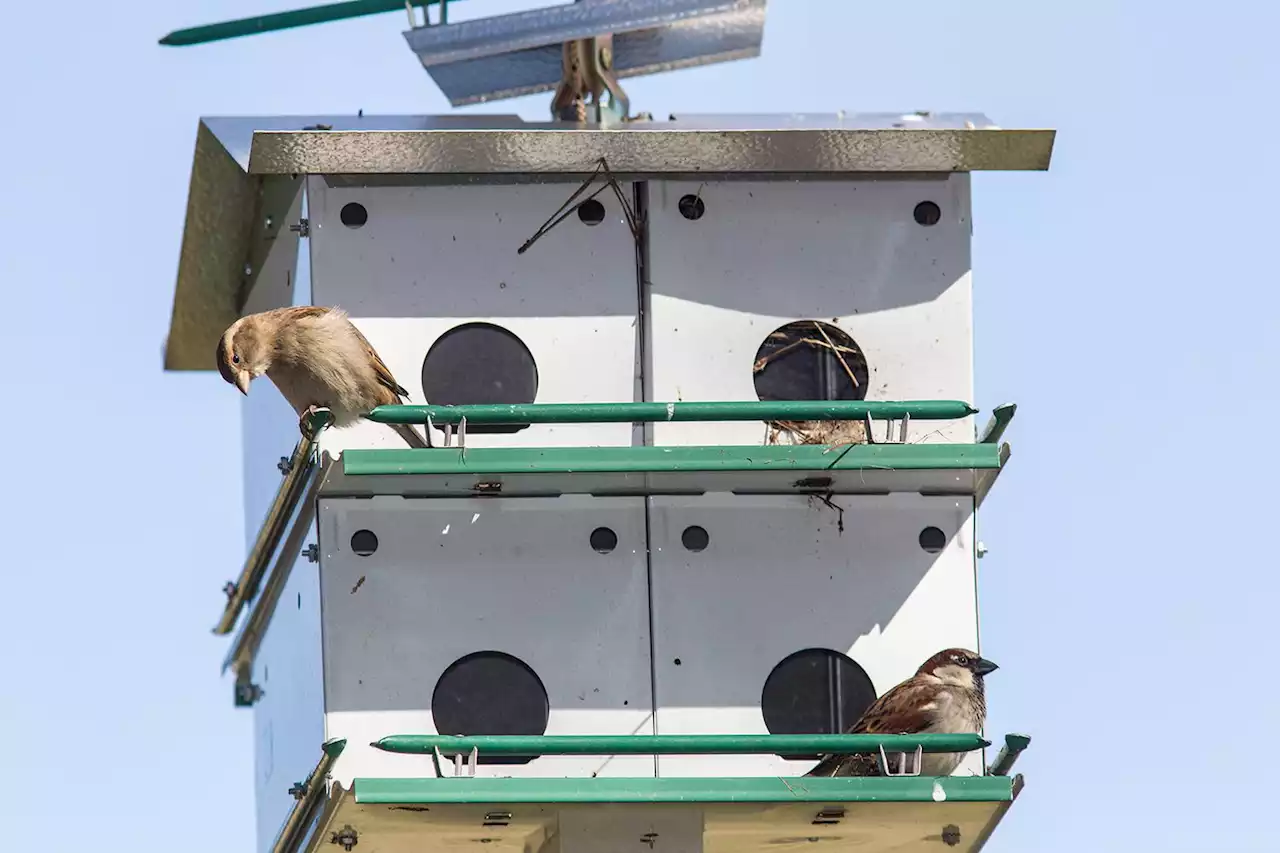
x,y
904,710
379,368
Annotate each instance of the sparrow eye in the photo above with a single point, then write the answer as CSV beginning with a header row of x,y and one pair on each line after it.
x,y
962,660
235,359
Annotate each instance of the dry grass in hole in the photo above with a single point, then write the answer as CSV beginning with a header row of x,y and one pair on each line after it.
x,y
814,432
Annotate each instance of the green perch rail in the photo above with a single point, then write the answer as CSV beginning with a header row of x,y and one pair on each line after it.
x,y
536,745
583,413
292,19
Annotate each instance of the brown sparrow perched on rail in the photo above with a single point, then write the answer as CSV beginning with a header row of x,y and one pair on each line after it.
x,y
317,359
945,696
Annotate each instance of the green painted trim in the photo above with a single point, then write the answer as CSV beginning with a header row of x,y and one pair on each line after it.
x,y
285,21
1014,744
333,748
564,460
600,413
676,744
1001,416
763,789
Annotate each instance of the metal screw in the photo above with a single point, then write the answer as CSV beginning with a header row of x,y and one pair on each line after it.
x,y
247,694
302,227
649,838
283,465
248,269
296,790
951,835
312,552
268,222
982,550
347,837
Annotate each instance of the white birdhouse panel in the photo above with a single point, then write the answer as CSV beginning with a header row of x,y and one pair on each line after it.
x,y
431,275
485,616
769,618
810,290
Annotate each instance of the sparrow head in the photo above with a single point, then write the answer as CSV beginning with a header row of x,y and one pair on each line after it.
x,y
958,667
244,352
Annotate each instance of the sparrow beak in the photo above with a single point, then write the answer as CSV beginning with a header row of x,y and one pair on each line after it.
x,y
982,666
242,381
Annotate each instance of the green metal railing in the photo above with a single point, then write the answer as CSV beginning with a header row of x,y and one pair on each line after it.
x,y
530,745
1013,747
290,20
679,459
584,413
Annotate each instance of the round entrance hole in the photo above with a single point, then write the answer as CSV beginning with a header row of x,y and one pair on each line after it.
x,y
477,364
815,691
810,360
491,693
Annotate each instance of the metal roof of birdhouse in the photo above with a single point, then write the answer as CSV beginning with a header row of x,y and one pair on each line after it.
x,y
246,173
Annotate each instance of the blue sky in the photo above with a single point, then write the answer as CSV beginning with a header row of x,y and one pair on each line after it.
x,y
1126,300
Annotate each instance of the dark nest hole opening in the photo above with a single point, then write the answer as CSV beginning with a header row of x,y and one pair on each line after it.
x,y
811,360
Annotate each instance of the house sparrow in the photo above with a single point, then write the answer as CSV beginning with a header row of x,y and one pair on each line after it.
x,y
945,696
317,359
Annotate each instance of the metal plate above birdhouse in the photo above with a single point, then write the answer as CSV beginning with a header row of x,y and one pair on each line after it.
x,y
507,56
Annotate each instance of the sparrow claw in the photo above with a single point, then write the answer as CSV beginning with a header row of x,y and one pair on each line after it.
x,y
314,418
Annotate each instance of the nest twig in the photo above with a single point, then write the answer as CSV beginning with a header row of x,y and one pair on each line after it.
x,y
815,432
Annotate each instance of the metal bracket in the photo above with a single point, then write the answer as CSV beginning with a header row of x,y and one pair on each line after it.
x,y
450,431
915,771
829,816
903,426
587,72
459,762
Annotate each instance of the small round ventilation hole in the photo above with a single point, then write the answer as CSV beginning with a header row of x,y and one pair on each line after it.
x,y
353,214
815,691
933,540
603,540
591,212
695,538
480,363
364,542
491,693
810,360
691,207
927,213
